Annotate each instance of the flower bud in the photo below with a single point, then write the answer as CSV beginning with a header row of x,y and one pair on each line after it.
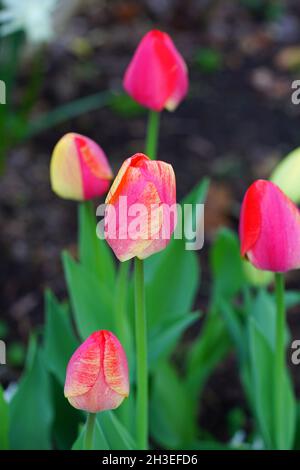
x,y
270,228
157,74
79,169
97,374
141,214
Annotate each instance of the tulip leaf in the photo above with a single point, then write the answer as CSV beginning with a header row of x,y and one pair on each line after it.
x,y
226,264
262,366
4,427
92,301
95,254
66,418
60,341
173,417
31,414
116,434
163,338
172,287
207,350
99,440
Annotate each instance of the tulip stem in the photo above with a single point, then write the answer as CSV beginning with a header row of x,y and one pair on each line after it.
x,y
141,358
279,354
89,433
152,134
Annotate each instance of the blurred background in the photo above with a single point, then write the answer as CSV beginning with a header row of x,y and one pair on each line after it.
x,y
63,62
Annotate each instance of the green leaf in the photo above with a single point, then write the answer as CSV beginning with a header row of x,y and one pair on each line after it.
x,y
66,418
31,414
68,111
261,360
173,417
4,427
92,302
262,365
263,310
206,352
116,434
95,254
226,264
60,341
99,440
235,329
163,339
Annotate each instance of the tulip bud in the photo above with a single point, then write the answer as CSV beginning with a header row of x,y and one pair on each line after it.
x,y
287,175
97,374
79,169
157,74
141,214
270,228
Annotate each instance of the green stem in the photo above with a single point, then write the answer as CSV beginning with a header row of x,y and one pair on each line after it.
x,y
122,324
279,354
152,134
141,358
89,433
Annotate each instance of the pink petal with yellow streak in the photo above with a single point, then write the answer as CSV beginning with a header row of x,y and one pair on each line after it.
x,y
84,366
115,365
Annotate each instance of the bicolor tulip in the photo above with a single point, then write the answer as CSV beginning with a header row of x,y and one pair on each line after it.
x,y
97,374
141,210
79,169
157,75
270,228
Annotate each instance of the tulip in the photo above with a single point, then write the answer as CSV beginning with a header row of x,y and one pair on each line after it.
x,y
270,228
148,187
97,374
79,169
287,175
157,74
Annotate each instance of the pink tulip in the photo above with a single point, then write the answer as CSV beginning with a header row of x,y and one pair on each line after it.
x,y
141,213
157,74
270,228
97,374
79,169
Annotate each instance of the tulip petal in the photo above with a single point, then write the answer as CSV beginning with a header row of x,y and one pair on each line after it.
x,y
65,171
115,365
250,220
83,368
270,228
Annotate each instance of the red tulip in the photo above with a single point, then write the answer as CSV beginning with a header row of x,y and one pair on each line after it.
x,y
157,74
97,374
141,213
79,168
270,228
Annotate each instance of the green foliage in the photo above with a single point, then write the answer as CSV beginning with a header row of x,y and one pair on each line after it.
x,y
31,414
59,339
4,428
